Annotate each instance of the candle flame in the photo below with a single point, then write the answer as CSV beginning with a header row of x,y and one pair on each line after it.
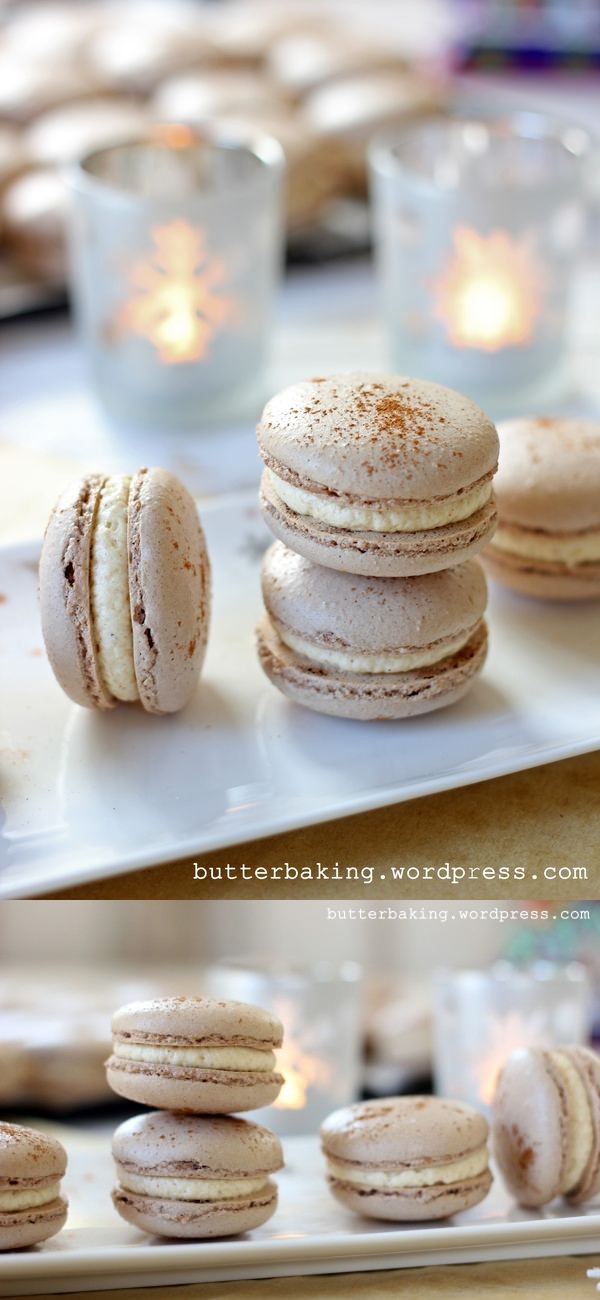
x,y
489,295
177,304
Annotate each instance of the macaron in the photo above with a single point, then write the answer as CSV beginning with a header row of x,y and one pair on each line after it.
x,y
548,495
195,1175
404,1158
196,1055
125,591
32,1207
378,474
370,648
546,1124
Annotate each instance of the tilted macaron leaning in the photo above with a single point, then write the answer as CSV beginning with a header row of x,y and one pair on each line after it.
x,y
404,1158
378,474
369,648
546,1124
125,591
195,1175
548,494
32,1207
197,1055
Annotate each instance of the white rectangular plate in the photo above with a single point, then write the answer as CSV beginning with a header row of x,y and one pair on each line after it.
x,y
84,795
310,1233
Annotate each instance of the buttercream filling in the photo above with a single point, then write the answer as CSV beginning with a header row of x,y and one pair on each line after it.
x,y
566,548
28,1198
193,1189
215,1058
109,589
581,1127
407,517
428,1176
352,661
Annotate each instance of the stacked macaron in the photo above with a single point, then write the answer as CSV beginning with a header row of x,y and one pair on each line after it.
x,y
189,1168
379,490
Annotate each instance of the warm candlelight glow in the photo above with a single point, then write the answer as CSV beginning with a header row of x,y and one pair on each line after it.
x,y
301,1071
506,1034
489,295
178,304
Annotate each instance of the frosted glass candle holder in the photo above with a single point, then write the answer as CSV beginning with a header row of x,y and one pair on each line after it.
x,y
319,1007
477,223
176,248
480,1017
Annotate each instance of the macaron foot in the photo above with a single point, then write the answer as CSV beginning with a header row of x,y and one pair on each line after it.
x,y
196,1219
378,554
547,581
413,1205
374,696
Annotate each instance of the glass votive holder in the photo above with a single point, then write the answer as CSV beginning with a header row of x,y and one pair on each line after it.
x,y
319,1007
480,1017
477,223
176,252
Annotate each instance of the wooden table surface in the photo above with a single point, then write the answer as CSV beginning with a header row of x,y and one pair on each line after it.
x,y
532,1279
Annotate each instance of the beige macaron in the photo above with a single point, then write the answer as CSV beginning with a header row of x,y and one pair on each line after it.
x,y
378,474
546,1124
195,1175
548,495
32,1207
197,1055
370,648
125,591
404,1158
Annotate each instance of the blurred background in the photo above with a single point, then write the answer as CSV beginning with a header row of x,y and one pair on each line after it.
x,y
370,1007
189,279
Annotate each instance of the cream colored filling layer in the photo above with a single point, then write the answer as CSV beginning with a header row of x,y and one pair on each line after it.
x,y
409,518
210,1058
109,589
351,662
565,548
27,1198
390,1180
581,1128
193,1189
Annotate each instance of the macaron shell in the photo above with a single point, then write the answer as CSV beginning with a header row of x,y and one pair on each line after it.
x,y
375,615
29,1158
190,1090
196,1218
369,696
169,579
588,1065
164,1145
397,1132
413,1204
384,555
378,437
549,473
550,582
64,593
188,1021
27,1227
530,1127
